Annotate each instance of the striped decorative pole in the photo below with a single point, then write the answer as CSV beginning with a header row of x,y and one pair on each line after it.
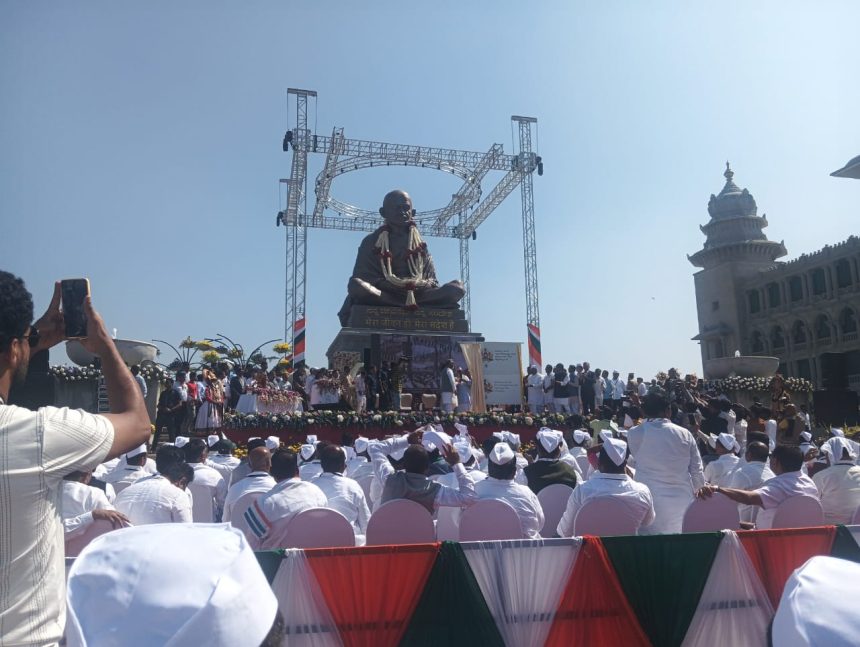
x,y
534,346
299,342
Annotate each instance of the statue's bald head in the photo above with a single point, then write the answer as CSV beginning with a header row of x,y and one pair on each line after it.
x,y
260,460
396,207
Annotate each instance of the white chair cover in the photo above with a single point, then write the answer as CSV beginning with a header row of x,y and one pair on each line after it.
x,y
317,528
799,511
717,512
307,620
522,582
604,517
734,608
553,499
400,521
490,519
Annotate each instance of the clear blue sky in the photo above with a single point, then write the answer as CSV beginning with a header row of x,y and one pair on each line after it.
x,y
140,146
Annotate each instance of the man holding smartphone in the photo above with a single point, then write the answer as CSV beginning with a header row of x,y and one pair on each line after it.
x,y
40,448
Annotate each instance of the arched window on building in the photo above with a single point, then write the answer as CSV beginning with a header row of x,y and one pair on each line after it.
x,y
777,338
753,301
843,273
798,332
774,298
848,321
822,327
819,283
757,342
795,289
718,348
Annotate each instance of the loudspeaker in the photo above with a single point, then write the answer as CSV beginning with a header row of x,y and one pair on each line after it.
x,y
836,408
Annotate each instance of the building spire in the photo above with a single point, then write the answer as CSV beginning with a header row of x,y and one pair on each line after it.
x,y
729,174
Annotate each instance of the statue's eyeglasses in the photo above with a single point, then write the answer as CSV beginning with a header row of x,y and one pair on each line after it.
x,y
33,337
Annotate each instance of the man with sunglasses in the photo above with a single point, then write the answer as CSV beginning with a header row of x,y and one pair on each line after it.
x,y
39,448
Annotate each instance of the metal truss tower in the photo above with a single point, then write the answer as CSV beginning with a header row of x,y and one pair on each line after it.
x,y
468,204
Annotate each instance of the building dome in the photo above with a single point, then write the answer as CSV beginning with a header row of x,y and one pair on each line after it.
x,y
735,230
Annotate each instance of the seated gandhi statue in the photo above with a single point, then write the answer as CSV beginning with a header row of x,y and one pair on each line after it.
x,y
393,266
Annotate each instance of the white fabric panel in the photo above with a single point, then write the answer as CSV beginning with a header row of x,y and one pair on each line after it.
x,y
734,608
307,620
522,582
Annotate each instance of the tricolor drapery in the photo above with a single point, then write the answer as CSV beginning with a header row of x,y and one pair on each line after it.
x,y
693,590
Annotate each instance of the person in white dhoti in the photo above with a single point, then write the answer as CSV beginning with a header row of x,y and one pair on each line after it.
x,y
719,472
839,484
448,387
209,489
667,461
500,485
610,481
548,383
259,480
534,390
182,585
785,461
751,475
290,496
343,493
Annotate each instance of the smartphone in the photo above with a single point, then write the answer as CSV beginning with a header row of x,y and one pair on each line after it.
x,y
73,293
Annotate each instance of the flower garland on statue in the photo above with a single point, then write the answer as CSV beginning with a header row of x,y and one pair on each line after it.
x,y
91,373
416,256
737,383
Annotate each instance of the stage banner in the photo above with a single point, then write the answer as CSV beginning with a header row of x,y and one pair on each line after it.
x,y
503,373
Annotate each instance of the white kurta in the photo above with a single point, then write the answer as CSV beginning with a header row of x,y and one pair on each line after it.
x,y
668,462
718,472
79,501
777,490
839,487
750,476
260,482
520,498
635,497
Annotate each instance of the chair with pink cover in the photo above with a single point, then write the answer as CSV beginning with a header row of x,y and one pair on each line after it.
x,y
489,520
237,512
400,521
801,511
717,512
553,499
76,544
315,528
604,516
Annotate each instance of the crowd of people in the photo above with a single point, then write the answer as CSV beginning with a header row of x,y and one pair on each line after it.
x,y
652,449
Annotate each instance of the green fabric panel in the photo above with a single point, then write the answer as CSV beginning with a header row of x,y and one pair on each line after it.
x,y
844,545
452,611
269,561
663,577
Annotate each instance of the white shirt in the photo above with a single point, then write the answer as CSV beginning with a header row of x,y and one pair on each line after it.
x,y
668,462
347,497
599,387
154,499
222,468
209,490
225,459
580,455
141,383
79,501
309,471
520,498
749,476
358,467
718,472
617,388
279,505
839,487
636,497
254,482
122,478
770,429
201,391
730,417
534,384
182,390
462,497
41,447
780,488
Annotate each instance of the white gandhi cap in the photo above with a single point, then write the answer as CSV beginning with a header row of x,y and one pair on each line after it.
x,y
502,454
616,449
818,605
137,451
125,588
549,439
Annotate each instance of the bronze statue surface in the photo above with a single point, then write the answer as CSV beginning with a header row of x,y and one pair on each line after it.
x,y
393,266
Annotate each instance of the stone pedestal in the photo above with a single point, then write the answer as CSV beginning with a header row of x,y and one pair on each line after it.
x,y
430,320
426,350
